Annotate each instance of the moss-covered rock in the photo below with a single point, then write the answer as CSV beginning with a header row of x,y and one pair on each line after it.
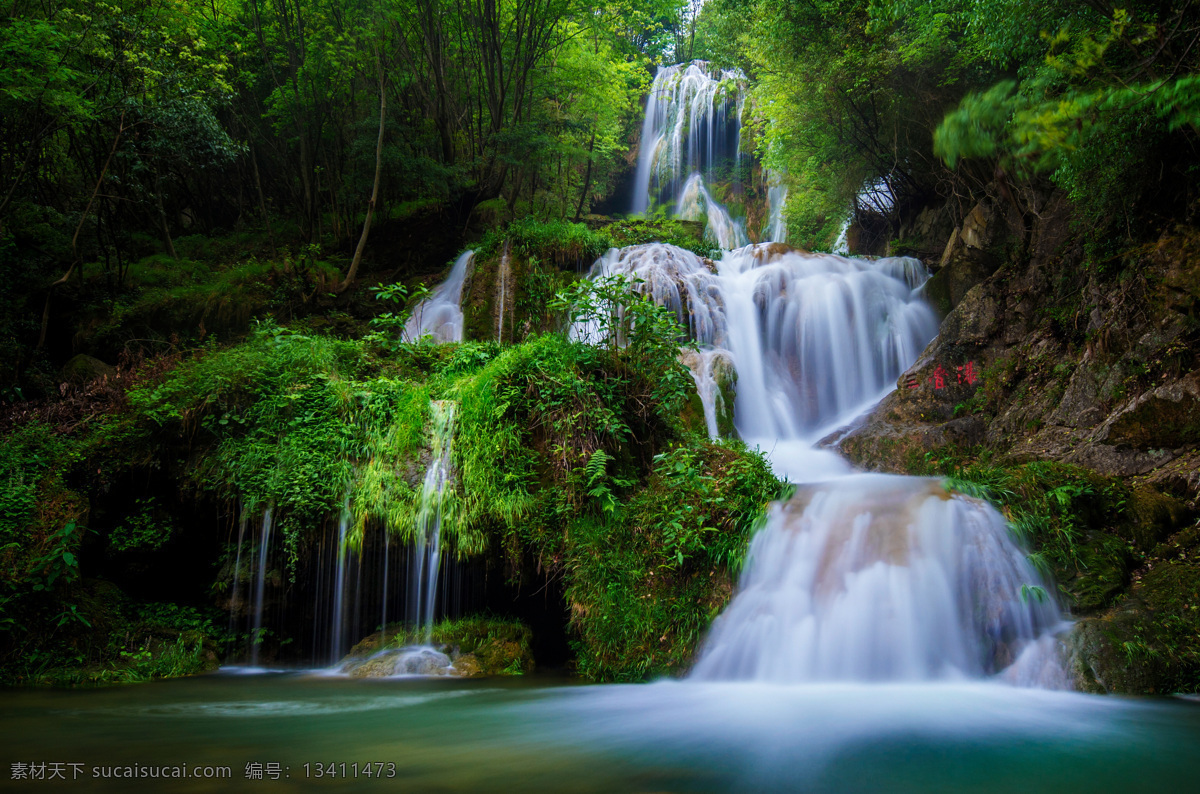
x,y
1151,517
1166,417
1102,574
1149,643
467,647
83,369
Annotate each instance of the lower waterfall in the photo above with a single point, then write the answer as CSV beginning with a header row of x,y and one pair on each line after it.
x,y
884,578
858,577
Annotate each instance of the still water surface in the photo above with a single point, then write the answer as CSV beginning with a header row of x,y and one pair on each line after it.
x,y
539,734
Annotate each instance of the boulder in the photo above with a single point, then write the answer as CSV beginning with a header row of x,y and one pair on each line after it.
x,y
1167,417
83,369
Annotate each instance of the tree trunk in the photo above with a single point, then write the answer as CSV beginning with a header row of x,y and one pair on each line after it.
x,y
75,238
162,218
262,200
587,178
362,240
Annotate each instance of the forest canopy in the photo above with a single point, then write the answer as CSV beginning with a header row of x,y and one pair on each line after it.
x,y
136,133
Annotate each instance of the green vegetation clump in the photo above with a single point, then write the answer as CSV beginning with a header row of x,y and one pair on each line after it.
x,y
40,531
561,242
645,581
1053,507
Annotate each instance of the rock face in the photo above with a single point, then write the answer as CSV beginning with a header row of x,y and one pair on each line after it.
x,y
411,660
1030,364
1044,356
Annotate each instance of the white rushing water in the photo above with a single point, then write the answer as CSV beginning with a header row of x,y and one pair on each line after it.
x,y
440,315
777,192
858,577
883,578
690,137
815,339
697,204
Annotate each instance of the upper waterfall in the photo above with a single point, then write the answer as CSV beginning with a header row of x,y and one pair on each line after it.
x,y
691,140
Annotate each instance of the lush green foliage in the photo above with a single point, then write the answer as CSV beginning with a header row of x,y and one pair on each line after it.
x,y
646,580
862,98
40,529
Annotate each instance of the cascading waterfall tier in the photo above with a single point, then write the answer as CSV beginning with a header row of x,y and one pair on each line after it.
x,y
440,315
884,578
814,338
691,136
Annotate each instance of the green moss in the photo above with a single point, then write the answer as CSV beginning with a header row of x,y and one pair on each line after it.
x,y
477,645
684,234
215,288
1102,574
1150,642
1151,517
563,243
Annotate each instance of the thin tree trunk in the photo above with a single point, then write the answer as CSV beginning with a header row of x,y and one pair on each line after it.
x,y
262,201
362,240
162,218
587,178
75,238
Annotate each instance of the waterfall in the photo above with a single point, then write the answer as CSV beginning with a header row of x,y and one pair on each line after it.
x,y
857,577
696,204
440,315
503,276
709,367
423,564
841,245
264,546
814,338
883,578
691,133
776,230
337,631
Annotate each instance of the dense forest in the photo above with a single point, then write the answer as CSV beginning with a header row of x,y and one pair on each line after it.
x,y
219,220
